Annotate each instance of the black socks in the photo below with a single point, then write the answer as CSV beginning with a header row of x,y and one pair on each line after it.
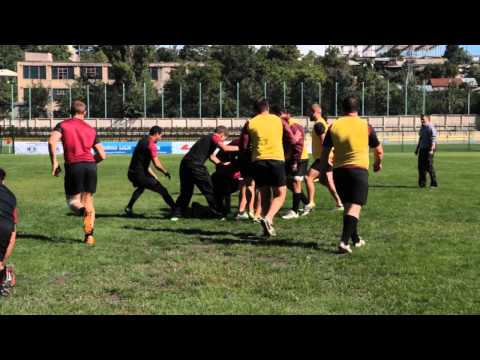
x,y
349,229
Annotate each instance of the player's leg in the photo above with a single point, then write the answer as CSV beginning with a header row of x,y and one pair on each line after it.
x,y
74,203
422,168
7,278
243,200
89,184
135,196
186,191
251,198
163,192
333,191
203,181
431,171
312,175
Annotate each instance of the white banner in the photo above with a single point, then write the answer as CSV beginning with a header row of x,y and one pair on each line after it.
x,y
181,148
34,148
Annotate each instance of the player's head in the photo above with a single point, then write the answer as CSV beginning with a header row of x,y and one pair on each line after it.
x,y
156,133
3,174
222,131
276,110
262,106
315,112
424,119
350,105
78,109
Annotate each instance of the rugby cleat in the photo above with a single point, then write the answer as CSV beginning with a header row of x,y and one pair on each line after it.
x,y
290,215
242,216
268,229
338,208
89,240
10,278
308,209
360,243
344,248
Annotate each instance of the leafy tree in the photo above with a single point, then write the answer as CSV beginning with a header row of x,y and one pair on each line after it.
x,y
457,55
288,53
165,54
59,52
197,53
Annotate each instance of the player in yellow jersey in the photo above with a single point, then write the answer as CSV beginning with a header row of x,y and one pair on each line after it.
x,y
320,129
266,133
351,137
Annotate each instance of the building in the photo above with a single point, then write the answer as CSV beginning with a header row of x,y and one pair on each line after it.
x,y
373,51
39,69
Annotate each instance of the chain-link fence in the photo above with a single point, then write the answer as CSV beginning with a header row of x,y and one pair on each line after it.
x,y
376,98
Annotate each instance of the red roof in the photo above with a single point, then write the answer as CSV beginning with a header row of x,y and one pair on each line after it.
x,y
444,82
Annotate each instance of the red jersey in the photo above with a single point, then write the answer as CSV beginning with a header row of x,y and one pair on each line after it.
x,y
78,139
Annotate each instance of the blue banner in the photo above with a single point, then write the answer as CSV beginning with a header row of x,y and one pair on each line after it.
x,y
127,147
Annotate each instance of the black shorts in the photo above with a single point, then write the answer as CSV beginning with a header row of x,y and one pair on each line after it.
x,y
224,185
6,230
80,178
269,173
142,180
246,167
301,171
352,185
316,166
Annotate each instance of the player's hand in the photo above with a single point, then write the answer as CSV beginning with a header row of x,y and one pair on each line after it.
x,y
431,152
225,164
416,152
377,167
294,167
168,176
56,170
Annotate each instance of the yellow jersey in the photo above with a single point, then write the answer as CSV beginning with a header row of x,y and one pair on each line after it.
x,y
304,155
349,135
317,144
266,137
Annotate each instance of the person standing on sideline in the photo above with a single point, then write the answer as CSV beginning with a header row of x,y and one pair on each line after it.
x,y
266,134
351,137
79,139
142,176
425,151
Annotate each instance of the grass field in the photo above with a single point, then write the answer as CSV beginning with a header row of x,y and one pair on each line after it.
x,y
422,255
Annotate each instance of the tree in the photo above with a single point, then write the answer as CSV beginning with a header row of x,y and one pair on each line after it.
x,y
167,54
288,53
59,52
198,53
457,55
9,55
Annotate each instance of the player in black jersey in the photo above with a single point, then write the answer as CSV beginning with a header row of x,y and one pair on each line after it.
x,y
193,172
141,175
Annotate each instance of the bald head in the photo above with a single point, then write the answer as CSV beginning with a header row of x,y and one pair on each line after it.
x,y
315,112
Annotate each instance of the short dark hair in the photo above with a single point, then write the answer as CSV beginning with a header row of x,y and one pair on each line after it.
x,y
78,107
3,174
221,130
261,106
422,116
350,105
156,130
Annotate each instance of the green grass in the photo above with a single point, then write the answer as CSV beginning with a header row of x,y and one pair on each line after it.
x,y
422,255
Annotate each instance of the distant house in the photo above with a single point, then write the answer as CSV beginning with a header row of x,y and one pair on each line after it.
x,y
444,83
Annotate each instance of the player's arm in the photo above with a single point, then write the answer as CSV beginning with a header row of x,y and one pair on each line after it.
x,y
214,159
11,244
100,154
55,137
299,144
160,167
152,173
228,148
324,158
245,138
378,149
434,141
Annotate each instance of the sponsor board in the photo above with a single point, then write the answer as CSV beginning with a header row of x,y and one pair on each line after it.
x,y
34,148
181,147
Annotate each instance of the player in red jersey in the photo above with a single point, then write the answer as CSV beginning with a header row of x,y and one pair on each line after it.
x,y
78,139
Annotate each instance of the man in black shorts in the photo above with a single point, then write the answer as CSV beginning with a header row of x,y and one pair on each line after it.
x,y
266,134
79,139
193,172
351,137
8,235
140,174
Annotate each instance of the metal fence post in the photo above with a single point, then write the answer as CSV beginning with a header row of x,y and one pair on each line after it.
x,y
424,104
200,100
265,90
181,101
284,94
238,99
88,102
320,94
30,104
70,96
406,95
12,104
336,98
144,100
123,94
402,139
388,97
163,103
363,98
221,100
301,97
51,106
106,101
468,101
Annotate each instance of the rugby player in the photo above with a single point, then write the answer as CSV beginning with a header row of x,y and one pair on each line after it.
x,y
141,175
79,139
295,153
193,172
265,133
8,235
248,193
351,137
319,131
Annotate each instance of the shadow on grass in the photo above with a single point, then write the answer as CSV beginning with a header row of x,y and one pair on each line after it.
x,y
54,239
126,217
241,238
393,187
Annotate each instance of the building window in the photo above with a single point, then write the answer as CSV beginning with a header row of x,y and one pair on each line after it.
x,y
154,73
63,72
92,72
58,94
34,72
111,75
